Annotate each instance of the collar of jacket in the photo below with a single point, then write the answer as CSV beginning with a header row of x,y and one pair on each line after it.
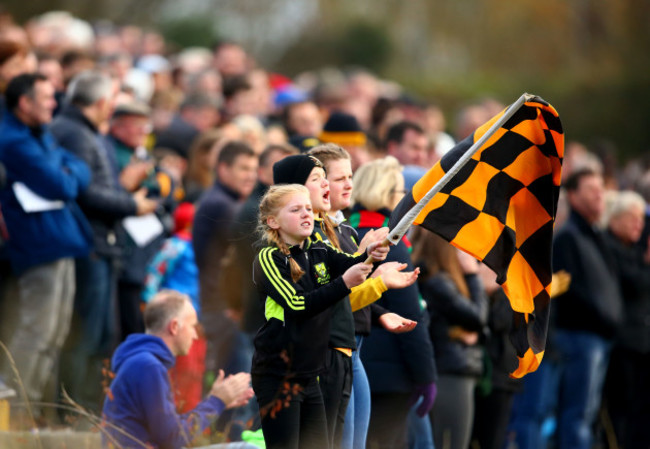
x,y
230,192
582,224
15,123
297,250
74,113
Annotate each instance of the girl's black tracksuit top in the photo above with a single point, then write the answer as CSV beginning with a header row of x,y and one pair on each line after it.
x,y
295,337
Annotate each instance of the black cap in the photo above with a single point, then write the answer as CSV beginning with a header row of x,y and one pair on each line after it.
x,y
294,169
304,143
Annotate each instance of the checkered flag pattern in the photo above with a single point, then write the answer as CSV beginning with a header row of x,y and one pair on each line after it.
x,y
500,207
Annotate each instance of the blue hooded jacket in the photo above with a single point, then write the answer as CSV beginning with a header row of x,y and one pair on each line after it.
x,y
141,404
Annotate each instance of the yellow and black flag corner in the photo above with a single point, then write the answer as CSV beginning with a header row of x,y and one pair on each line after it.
x,y
500,207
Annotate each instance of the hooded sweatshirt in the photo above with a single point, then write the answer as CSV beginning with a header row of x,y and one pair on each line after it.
x,y
140,402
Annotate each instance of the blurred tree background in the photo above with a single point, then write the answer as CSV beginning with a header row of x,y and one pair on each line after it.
x,y
589,58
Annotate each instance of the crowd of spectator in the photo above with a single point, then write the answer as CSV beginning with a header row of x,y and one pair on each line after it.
x,y
128,168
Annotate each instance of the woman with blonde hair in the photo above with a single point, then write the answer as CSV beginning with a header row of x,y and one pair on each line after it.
x,y
400,367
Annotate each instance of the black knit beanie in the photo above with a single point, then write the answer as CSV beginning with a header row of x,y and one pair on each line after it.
x,y
294,169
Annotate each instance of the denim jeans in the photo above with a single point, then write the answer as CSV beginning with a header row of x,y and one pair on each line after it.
x,y
571,387
534,407
357,417
420,432
585,357
93,333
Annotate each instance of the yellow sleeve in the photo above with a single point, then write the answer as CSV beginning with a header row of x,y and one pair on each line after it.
x,y
367,293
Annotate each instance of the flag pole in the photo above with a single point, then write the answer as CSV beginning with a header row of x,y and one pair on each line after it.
x,y
407,220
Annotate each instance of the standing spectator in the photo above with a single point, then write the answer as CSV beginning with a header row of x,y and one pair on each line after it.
x,y
588,314
458,308
43,239
347,402
586,319
344,130
202,162
218,206
198,113
627,388
230,59
129,128
245,238
496,391
90,97
299,279
400,367
174,268
407,142
302,118
238,97
14,61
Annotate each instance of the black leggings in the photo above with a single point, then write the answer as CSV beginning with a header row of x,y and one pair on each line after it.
x,y
292,412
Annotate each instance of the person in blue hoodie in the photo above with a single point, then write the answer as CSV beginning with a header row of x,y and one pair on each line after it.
x,y
139,409
46,228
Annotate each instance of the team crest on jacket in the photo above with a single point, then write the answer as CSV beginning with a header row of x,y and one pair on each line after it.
x,y
322,275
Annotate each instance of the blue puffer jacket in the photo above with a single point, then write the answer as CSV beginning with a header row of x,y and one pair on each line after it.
x,y
140,411
32,157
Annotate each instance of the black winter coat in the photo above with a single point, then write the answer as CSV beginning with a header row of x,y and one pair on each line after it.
x,y
104,202
448,308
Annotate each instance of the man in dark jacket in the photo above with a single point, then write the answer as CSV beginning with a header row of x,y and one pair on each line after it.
x,y
140,410
245,236
586,319
218,206
130,126
199,112
46,228
105,203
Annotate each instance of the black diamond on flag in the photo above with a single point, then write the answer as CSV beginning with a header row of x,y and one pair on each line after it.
x,y
537,252
504,151
460,178
499,257
500,189
448,219
524,113
540,188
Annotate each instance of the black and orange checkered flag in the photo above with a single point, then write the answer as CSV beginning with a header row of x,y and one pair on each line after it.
x,y
500,207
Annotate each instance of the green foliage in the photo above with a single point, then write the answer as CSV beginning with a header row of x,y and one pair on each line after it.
x,y
360,44
365,44
192,31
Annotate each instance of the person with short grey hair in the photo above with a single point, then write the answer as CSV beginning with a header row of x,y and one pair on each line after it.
x,y
627,388
140,411
88,88
105,203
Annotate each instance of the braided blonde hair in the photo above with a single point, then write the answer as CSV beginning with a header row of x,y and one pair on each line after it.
x,y
274,200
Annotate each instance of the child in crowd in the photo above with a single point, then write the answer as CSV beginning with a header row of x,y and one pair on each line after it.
x,y
299,279
174,268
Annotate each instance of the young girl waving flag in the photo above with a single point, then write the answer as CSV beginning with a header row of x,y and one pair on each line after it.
x,y
299,280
